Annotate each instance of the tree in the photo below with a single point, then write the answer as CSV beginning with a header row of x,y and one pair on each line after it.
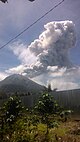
x,y
49,87
47,106
12,109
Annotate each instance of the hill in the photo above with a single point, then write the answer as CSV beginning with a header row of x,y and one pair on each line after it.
x,y
20,84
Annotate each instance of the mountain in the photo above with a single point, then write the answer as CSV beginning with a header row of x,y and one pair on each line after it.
x,y
69,99
20,84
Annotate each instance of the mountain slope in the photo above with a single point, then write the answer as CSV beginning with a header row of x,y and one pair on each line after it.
x,y
19,83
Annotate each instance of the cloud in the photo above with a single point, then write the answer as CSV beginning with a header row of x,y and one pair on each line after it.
x,y
63,85
16,70
23,53
46,59
50,49
2,75
60,78
54,43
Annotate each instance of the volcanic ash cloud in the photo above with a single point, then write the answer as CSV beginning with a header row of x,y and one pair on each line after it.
x,y
46,58
52,46
50,49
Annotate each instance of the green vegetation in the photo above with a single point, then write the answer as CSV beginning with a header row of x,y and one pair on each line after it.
x,y
47,108
43,123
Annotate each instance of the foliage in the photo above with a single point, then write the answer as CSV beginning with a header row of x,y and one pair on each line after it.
x,y
47,105
65,113
37,125
12,109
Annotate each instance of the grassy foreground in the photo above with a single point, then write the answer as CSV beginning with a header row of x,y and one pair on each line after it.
x,y
47,122
26,130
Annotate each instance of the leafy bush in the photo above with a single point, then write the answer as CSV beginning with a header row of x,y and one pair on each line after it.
x,y
47,105
12,109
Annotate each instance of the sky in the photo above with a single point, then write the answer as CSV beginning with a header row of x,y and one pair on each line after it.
x,y
49,52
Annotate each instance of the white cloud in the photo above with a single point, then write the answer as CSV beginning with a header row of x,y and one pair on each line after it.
x,y
16,70
64,85
23,53
60,78
2,75
46,58
50,49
